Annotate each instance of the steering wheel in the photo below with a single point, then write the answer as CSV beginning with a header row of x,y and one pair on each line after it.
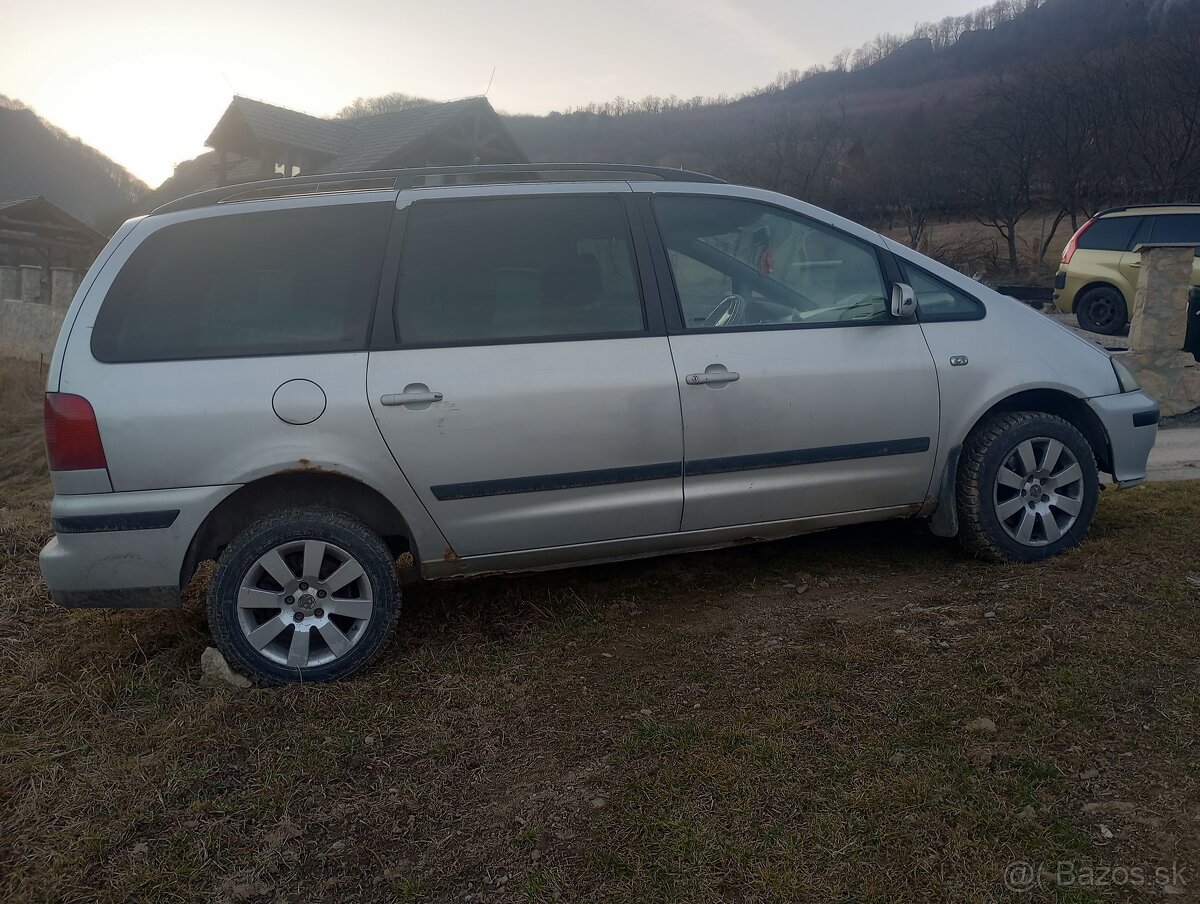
x,y
728,313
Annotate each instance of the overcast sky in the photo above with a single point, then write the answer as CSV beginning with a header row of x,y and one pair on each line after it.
x,y
144,81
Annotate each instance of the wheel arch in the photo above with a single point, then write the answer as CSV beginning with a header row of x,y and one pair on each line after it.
x,y
1073,410
260,497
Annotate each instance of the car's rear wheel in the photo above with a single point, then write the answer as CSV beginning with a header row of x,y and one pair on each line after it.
x,y
1028,487
305,594
1102,310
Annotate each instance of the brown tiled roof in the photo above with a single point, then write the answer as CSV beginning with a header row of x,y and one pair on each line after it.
x,y
16,201
41,208
279,124
354,144
378,137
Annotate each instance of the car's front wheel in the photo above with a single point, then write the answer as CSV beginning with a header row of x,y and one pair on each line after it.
x,y
1027,487
1102,310
305,594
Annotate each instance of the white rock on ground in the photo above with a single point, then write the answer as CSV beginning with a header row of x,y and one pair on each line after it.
x,y
216,672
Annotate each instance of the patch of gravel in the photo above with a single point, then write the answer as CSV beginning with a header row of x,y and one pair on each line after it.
x,y
1112,343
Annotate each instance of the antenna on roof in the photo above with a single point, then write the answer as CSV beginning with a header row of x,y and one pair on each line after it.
x,y
490,77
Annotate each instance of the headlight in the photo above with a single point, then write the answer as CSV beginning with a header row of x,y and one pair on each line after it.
x,y
1127,380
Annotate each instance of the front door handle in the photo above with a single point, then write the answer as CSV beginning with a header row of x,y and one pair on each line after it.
x,y
714,373
414,394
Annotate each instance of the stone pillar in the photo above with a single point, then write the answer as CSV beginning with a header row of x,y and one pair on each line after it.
x,y
62,286
1158,327
10,283
31,283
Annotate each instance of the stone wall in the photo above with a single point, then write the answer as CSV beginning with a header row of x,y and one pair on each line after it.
x,y
1158,328
33,302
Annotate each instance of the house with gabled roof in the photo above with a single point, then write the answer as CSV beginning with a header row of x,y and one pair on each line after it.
x,y
255,140
36,233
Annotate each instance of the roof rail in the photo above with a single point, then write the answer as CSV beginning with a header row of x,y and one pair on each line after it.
x,y
392,180
1124,207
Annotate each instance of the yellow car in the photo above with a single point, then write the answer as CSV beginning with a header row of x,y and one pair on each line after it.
x,y
1099,270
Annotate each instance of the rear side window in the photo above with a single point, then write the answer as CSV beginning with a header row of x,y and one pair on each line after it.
x,y
1177,227
1110,234
508,269
276,282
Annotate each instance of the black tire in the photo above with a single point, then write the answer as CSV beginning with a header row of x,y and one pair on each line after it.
x,y
365,634
994,444
1102,310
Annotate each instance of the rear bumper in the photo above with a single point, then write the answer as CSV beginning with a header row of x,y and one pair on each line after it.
x,y
1131,421
124,550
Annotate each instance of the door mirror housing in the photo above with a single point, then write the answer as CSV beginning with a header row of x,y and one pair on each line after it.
x,y
904,301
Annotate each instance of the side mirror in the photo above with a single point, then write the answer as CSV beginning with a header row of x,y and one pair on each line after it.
x,y
904,301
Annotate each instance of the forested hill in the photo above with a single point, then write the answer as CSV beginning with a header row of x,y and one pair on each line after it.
x,y
886,77
37,158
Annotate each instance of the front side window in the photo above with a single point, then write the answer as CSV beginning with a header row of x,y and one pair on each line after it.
x,y
1177,228
741,263
510,269
273,282
937,301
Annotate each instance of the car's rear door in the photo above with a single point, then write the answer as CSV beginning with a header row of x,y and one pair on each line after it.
x,y
832,410
521,382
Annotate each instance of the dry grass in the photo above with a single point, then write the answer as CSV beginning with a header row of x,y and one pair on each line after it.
x,y
972,248
689,728
23,474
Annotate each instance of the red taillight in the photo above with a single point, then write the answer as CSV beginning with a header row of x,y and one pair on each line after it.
x,y
1073,244
72,435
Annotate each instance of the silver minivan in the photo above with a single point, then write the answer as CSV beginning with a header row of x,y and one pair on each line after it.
x,y
329,387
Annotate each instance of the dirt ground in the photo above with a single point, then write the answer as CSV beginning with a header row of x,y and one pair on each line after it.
x,y
862,715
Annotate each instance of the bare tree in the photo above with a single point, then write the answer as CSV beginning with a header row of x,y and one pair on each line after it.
x,y
1002,151
793,152
384,103
912,171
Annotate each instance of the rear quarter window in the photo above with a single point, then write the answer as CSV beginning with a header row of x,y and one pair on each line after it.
x,y
1110,234
297,281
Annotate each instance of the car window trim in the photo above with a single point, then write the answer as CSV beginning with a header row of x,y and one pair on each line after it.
x,y
385,337
676,325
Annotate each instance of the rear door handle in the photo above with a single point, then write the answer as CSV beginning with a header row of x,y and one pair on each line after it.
x,y
712,375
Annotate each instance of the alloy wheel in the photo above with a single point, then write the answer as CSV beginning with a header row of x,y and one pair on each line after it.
x,y
1039,491
304,603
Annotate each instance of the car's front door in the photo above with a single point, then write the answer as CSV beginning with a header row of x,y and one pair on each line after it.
x,y
523,387
1179,228
801,395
